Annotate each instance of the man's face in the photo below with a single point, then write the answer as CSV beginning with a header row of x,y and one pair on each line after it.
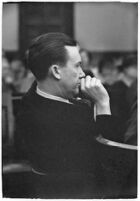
x,y
18,69
71,73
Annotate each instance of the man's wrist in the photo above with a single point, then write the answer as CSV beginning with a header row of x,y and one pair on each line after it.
x,y
103,108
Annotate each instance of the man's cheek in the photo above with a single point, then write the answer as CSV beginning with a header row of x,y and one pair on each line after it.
x,y
74,74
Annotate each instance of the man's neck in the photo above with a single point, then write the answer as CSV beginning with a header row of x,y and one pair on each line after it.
x,y
51,90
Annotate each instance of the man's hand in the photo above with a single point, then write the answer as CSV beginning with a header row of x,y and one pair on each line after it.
x,y
95,91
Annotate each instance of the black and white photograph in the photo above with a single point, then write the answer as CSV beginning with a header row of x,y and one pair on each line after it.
x,y
69,100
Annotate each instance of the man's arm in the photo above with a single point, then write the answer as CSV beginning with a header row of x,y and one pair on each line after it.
x,y
106,124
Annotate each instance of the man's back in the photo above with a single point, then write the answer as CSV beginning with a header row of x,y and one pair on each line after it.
x,y
61,131
59,141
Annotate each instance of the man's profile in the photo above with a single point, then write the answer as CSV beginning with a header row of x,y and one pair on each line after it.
x,y
58,133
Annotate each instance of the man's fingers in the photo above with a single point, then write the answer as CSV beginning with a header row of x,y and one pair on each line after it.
x,y
93,82
88,82
83,84
98,83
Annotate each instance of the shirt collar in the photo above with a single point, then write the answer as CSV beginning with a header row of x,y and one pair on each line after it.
x,y
50,96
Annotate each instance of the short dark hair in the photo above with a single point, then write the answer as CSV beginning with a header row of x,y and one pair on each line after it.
x,y
46,50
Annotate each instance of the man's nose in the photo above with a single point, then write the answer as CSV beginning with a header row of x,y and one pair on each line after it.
x,y
82,74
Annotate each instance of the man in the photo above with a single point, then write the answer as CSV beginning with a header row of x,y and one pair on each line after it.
x,y
59,133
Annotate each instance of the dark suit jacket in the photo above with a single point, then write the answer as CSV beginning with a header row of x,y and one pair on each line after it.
x,y
59,140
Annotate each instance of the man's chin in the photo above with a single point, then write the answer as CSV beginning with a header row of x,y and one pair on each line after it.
x,y
76,93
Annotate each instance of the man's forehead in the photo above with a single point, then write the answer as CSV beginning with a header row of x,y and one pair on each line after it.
x,y
73,51
71,48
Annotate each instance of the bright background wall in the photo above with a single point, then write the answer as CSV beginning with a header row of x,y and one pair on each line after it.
x,y
106,26
97,26
10,27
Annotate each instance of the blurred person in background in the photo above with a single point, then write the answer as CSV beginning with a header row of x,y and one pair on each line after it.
x,y
119,100
85,59
128,70
22,77
7,75
86,64
6,109
130,136
108,72
18,70
27,81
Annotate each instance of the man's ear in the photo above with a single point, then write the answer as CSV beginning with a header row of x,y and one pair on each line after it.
x,y
55,71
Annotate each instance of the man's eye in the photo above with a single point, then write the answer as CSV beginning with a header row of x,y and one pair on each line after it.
x,y
79,65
